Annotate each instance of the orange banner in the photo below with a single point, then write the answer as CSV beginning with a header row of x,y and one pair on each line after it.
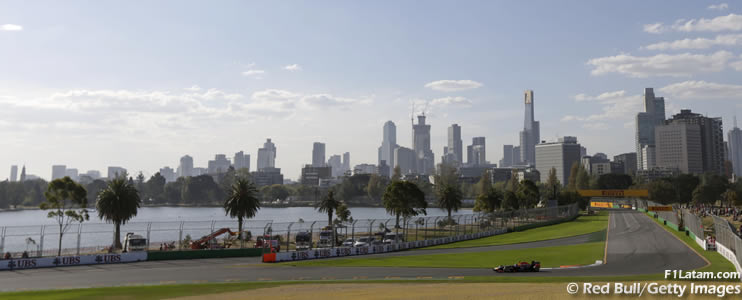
x,y
602,204
660,208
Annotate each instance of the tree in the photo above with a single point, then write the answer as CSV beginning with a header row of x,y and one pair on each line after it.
x,y
155,188
397,174
489,201
118,203
509,200
328,205
661,191
447,189
242,201
552,183
730,197
684,185
375,187
528,195
94,188
67,201
710,189
343,213
583,179
404,199
613,181
573,172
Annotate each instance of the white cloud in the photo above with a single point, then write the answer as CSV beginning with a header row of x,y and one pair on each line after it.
x,y
193,88
286,103
674,65
655,28
698,43
601,97
253,73
293,68
461,101
453,85
737,65
720,6
11,27
616,106
731,22
702,90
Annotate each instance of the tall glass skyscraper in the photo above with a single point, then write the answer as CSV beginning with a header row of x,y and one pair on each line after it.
x,y
653,115
531,135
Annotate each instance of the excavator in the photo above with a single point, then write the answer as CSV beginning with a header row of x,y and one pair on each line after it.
x,y
210,242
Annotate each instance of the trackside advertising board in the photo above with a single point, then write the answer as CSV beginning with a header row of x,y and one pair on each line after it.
x,y
60,261
348,251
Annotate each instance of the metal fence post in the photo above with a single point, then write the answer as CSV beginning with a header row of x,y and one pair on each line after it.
x,y
180,236
41,241
149,229
353,230
458,223
288,236
311,235
2,239
371,228
79,233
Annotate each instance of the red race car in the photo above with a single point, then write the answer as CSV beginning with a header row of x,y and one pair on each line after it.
x,y
523,266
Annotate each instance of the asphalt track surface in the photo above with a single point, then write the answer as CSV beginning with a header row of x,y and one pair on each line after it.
x,y
635,245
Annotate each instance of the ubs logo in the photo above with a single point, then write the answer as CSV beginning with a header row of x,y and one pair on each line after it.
x,y
107,259
68,260
22,264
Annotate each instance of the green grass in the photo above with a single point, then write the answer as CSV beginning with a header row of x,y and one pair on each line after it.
x,y
581,225
718,262
581,254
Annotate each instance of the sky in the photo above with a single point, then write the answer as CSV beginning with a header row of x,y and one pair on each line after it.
x,y
138,84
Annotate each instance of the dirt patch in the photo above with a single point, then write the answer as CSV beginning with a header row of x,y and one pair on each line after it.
x,y
536,291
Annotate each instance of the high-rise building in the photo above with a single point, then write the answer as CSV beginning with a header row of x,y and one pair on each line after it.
x,y
652,116
678,146
23,174
734,137
13,173
507,156
58,171
629,162
406,160
267,176
558,155
388,144
365,169
220,164
712,139
72,174
318,155
185,168
346,162
476,152
241,161
336,164
267,156
516,156
454,150
421,144
168,173
311,175
383,169
531,134
114,172
93,174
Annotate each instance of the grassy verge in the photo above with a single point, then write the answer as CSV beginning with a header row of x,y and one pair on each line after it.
x,y
718,262
582,254
580,226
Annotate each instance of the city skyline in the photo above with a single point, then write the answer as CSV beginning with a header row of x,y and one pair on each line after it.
x,y
209,91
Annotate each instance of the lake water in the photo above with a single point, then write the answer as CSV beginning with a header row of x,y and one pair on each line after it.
x,y
167,224
177,214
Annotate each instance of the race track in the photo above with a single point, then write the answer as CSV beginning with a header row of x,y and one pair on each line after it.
x,y
636,245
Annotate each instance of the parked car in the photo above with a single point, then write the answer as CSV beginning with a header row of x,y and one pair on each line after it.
x,y
364,241
393,238
348,243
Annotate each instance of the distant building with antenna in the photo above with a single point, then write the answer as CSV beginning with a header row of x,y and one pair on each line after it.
x,y
734,137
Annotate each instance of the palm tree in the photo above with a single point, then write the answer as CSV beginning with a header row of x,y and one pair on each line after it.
x,y
449,198
328,205
242,202
118,203
404,199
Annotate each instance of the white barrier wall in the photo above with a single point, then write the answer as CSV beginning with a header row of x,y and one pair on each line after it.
x,y
348,251
46,262
729,255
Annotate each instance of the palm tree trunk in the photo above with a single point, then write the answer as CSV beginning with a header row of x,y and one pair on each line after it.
x,y
396,224
239,227
117,237
449,217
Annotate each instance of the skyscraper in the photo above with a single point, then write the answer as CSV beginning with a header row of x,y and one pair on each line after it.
x,y
507,156
455,145
388,144
346,162
735,148
267,155
318,155
560,156
421,146
531,134
476,152
712,139
13,173
72,173
653,115
185,168
168,173
678,146
241,161
629,162
336,164
23,173
58,171
406,160
114,172
219,165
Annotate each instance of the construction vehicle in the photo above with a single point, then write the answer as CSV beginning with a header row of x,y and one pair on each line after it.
x,y
268,241
210,242
134,242
303,241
